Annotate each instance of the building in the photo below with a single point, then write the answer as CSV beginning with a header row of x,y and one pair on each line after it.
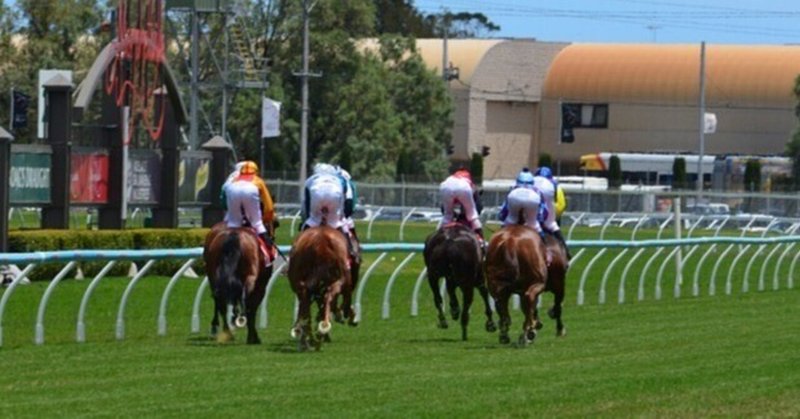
x,y
512,95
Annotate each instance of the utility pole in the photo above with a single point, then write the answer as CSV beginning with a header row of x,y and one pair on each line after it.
x,y
702,120
304,118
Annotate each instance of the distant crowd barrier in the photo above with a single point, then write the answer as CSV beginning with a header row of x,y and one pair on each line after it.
x,y
664,251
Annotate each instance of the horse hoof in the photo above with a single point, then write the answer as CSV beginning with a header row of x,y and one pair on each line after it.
x,y
505,340
294,332
530,335
490,326
455,314
551,313
253,341
324,327
539,325
240,321
561,332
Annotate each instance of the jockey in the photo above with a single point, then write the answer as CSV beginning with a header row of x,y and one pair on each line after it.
x,y
350,199
523,199
458,188
246,199
544,182
324,201
561,203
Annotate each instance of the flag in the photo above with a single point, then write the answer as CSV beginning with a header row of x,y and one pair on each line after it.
x,y
710,123
19,109
570,118
270,118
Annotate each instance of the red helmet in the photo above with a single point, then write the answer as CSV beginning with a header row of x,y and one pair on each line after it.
x,y
463,173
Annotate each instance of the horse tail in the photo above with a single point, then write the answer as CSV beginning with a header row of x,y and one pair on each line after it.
x,y
506,267
230,286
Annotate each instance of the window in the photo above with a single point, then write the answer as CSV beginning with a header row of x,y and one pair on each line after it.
x,y
580,115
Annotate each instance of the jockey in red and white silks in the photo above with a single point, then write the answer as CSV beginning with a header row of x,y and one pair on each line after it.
x,y
458,188
523,199
323,198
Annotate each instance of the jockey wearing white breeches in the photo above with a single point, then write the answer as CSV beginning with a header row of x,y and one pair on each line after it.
x,y
548,190
324,200
457,189
244,204
524,201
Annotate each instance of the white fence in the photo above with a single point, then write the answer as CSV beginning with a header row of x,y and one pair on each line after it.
x,y
771,252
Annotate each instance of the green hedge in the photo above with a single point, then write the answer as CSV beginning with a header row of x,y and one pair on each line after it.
x,y
47,240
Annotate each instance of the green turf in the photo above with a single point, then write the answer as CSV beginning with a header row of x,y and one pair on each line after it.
x,y
706,356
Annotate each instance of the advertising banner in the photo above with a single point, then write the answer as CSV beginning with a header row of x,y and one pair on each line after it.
x,y
89,178
29,178
144,176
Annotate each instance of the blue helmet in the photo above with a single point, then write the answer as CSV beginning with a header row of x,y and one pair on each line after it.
x,y
525,177
544,171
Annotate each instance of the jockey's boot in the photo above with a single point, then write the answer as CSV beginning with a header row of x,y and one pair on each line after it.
x,y
351,249
481,240
557,234
264,237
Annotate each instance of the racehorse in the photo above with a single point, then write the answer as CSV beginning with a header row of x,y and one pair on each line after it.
x,y
515,264
318,272
453,252
238,278
556,278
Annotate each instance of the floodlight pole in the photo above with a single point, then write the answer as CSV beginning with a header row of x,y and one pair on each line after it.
x,y
304,75
702,120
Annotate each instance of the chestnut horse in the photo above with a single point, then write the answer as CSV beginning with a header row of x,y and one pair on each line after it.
x,y
515,264
556,278
453,252
318,272
238,279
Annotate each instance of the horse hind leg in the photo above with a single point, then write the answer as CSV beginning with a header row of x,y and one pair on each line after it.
x,y
468,297
555,313
529,300
501,303
455,309
437,300
490,325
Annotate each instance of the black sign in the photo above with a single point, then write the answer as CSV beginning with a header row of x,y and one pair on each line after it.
x,y
570,118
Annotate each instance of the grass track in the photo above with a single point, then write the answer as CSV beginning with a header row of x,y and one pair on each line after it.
x,y
708,356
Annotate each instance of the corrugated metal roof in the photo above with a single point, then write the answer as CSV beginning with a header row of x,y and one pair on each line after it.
x,y
752,75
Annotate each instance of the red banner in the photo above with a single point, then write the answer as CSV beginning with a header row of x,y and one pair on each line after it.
x,y
89,178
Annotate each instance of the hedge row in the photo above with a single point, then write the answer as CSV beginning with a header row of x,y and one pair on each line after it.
x,y
47,240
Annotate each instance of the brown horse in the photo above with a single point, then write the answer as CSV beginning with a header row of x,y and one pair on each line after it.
x,y
238,279
515,264
556,278
318,272
453,252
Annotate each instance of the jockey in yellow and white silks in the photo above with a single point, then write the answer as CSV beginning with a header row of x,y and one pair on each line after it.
x,y
523,200
458,188
544,182
247,200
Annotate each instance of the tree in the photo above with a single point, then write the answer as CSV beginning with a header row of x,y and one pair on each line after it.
x,y
476,168
400,17
793,145
545,160
752,175
679,173
461,25
614,172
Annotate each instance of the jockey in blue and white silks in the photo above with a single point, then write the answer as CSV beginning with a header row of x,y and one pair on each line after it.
x,y
544,182
523,200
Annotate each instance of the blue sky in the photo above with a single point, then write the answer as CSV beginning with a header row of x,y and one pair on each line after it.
x,y
661,21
